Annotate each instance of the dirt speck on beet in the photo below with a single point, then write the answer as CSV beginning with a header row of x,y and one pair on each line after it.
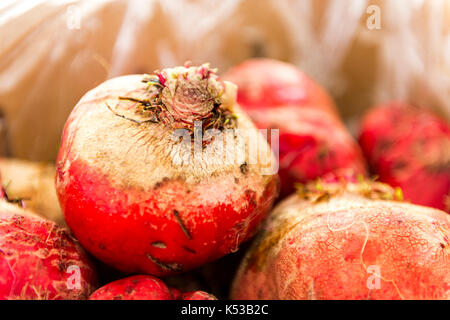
x,y
159,244
182,225
166,266
244,168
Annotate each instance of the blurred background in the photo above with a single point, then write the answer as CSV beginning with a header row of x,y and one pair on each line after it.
x,y
363,52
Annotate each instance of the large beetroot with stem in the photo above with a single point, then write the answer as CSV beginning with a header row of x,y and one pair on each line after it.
x,y
409,147
39,259
139,194
312,138
348,240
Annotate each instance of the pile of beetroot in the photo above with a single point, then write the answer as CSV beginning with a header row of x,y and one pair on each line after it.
x,y
158,178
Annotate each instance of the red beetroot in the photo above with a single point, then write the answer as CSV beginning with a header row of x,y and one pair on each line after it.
x,y
39,259
341,241
409,147
126,200
312,140
267,83
144,288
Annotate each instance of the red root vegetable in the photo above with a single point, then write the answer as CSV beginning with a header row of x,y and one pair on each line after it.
x,y
39,259
409,147
132,202
144,287
342,240
312,139
198,295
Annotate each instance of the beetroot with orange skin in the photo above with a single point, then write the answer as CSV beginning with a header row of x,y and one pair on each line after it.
x,y
409,147
126,200
39,259
144,287
342,241
312,139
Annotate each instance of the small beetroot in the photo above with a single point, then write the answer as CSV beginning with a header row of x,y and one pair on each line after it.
x,y
409,147
347,240
139,205
143,287
312,138
39,259
198,295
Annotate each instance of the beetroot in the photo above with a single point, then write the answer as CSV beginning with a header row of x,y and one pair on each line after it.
x,y
409,147
134,200
144,287
39,259
312,138
198,295
267,83
347,240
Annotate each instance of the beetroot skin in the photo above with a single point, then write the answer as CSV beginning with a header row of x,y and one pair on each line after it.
x,y
144,287
39,259
198,295
125,199
409,147
342,241
312,139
